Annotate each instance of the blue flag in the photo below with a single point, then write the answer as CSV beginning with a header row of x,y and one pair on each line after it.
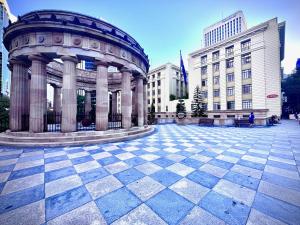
x,y
182,69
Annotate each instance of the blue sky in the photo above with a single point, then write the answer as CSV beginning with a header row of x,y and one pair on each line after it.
x,y
164,27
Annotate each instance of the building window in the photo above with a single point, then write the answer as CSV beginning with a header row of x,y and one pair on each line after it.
x,y
230,105
230,77
246,59
245,45
204,82
167,108
148,77
247,89
229,51
153,76
158,91
229,63
203,60
148,101
216,67
148,93
158,75
230,91
204,70
215,55
153,100
216,92
153,84
153,92
204,93
247,104
217,106
158,100
216,80
158,83
148,85
246,74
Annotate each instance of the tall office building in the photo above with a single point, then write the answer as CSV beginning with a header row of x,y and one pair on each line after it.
x,y
224,29
5,17
242,73
165,83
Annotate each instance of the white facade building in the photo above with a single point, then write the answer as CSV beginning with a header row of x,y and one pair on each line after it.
x,y
165,82
242,73
224,29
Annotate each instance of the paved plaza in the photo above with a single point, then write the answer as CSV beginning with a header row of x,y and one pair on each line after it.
x,y
178,175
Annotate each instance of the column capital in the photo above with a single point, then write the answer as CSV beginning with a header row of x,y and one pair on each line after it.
x,y
39,58
125,70
19,62
101,62
69,58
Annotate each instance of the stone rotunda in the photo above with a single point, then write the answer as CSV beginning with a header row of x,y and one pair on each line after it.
x,y
46,46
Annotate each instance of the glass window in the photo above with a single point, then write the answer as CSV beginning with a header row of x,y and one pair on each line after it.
x,y
158,100
158,83
246,59
247,104
148,93
153,92
203,59
230,91
247,89
158,91
153,76
215,55
246,74
245,45
148,101
204,82
158,75
203,70
216,80
153,100
230,105
217,106
153,84
229,51
216,92
230,77
229,63
148,85
204,94
216,67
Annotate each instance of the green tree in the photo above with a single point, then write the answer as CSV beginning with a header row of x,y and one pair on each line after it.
x,y
291,89
197,104
152,114
4,112
172,97
180,107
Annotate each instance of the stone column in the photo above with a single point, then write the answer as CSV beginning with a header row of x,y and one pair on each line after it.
x,y
134,101
101,96
19,95
145,104
140,101
114,102
38,93
57,98
69,95
87,102
126,100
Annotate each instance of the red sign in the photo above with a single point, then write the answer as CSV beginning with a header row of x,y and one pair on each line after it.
x,y
272,96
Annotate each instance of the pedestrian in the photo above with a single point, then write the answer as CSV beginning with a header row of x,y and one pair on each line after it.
x,y
251,119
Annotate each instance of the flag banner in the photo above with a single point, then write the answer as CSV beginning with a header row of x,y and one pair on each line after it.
x,y
182,69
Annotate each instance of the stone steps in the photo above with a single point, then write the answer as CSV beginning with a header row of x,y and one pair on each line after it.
x,y
77,138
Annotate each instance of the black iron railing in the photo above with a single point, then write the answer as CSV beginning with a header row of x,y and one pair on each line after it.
x,y
114,121
85,122
52,122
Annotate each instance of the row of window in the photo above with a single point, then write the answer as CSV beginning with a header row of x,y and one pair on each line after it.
x,y
153,92
224,31
229,51
245,59
153,100
246,89
153,76
246,74
246,104
153,84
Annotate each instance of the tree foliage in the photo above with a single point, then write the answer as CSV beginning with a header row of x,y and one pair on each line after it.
x,y
291,88
172,97
198,104
4,106
180,107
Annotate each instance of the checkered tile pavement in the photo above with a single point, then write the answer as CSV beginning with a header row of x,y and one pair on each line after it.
x,y
178,175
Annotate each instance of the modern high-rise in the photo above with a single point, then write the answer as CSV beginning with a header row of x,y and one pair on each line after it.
x,y
165,83
242,73
5,17
224,29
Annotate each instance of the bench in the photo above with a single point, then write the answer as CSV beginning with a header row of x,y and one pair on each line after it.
x,y
241,123
206,121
